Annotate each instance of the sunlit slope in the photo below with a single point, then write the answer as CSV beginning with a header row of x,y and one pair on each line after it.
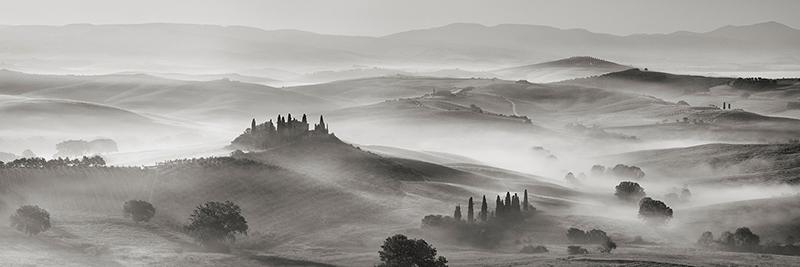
x,y
215,101
751,164
559,70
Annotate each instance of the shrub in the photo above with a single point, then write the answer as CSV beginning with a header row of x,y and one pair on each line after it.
x,y
398,251
138,210
215,223
530,249
31,220
575,250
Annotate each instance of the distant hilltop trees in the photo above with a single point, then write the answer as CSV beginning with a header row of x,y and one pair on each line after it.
x,y
272,134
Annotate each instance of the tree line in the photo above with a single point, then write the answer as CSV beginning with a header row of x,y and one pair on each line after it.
x,y
41,163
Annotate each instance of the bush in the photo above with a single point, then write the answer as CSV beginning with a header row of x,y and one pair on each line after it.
x,y
576,250
654,211
31,220
591,237
138,210
607,246
399,251
215,223
629,191
530,249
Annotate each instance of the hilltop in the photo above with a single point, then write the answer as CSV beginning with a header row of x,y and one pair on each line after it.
x,y
558,70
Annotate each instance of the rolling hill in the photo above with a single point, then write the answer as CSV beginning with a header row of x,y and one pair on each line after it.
x,y
219,102
564,69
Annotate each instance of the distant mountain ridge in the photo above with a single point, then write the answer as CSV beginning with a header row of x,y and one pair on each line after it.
x,y
199,49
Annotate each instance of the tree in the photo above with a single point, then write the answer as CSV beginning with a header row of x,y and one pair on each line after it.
x,y
629,191
498,208
138,210
484,209
625,171
576,235
399,251
457,213
75,148
470,211
28,154
607,246
525,201
654,211
598,170
507,204
103,146
745,239
706,239
216,223
571,178
31,220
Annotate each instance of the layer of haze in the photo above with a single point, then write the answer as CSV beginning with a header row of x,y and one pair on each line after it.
x,y
379,18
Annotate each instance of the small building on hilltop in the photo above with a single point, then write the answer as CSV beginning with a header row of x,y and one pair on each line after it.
x,y
284,130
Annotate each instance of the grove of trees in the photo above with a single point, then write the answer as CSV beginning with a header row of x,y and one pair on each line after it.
x,y
399,251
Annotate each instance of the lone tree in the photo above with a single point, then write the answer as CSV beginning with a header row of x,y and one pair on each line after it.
x,y
215,223
525,201
457,213
138,210
399,251
31,220
629,191
470,211
72,148
654,211
484,209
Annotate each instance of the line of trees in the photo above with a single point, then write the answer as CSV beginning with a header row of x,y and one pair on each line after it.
x,y
41,163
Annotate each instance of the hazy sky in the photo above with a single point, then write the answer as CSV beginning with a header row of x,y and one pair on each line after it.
x,y
382,17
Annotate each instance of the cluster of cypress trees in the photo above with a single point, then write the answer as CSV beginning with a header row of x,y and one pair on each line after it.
x,y
508,208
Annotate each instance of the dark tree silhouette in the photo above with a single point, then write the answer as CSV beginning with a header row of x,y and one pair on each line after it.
x,y
253,127
498,207
629,191
484,209
625,171
607,246
470,211
525,201
654,211
515,204
399,251
138,210
215,223
457,213
30,220
507,204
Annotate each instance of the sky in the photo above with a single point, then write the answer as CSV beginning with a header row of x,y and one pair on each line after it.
x,y
384,17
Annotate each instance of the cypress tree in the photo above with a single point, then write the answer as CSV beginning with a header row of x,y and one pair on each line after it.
x,y
499,207
515,204
470,211
253,127
304,119
457,213
484,209
525,201
507,205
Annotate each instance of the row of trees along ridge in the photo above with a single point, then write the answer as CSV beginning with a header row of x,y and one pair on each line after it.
x,y
284,130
